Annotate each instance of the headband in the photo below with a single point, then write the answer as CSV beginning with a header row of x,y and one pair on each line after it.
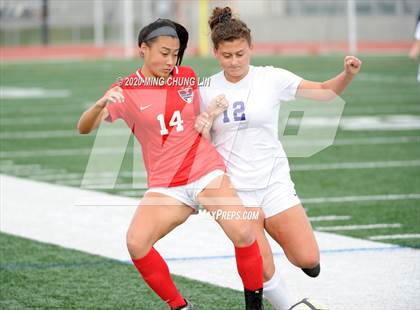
x,y
162,31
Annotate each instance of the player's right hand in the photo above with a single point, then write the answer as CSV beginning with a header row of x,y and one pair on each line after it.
x,y
113,95
218,105
203,123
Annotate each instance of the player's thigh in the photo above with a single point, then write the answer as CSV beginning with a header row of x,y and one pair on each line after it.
x,y
293,232
155,217
220,198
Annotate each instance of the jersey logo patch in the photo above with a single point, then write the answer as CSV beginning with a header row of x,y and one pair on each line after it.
x,y
186,94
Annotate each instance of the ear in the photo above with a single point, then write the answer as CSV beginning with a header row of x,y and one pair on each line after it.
x,y
142,49
214,51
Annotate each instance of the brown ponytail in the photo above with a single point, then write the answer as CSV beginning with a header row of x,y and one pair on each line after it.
x,y
224,27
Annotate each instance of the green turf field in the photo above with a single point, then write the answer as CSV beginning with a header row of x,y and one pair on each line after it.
x,y
40,276
39,141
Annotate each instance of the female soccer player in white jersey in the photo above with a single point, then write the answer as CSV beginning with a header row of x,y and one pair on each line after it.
x,y
246,136
183,169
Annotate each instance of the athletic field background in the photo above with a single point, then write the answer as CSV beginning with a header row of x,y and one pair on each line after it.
x,y
367,185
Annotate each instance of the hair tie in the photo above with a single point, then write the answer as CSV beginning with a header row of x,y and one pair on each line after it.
x,y
225,17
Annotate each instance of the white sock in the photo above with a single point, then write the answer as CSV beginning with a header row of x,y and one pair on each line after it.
x,y
276,292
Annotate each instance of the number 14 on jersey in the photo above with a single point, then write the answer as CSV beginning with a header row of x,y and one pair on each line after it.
x,y
176,120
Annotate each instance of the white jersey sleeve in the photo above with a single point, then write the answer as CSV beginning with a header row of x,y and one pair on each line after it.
x,y
203,98
285,83
417,34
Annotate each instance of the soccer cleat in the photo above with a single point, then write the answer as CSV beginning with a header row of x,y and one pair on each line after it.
x,y
312,272
188,306
254,299
308,304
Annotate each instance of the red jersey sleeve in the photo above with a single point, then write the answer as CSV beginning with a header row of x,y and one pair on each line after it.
x,y
116,110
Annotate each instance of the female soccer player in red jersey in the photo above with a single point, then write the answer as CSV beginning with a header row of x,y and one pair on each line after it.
x,y
183,169
246,135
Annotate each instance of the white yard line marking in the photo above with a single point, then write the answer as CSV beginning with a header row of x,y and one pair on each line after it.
x,y
344,199
86,151
17,135
357,227
358,141
355,165
33,120
394,109
374,122
32,92
379,78
395,237
330,218
50,110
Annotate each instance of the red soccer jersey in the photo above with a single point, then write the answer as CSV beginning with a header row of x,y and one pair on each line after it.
x,y
162,119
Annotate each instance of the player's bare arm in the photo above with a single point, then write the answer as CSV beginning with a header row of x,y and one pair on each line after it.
x,y
336,85
92,117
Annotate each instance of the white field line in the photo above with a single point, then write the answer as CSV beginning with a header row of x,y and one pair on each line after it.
x,y
330,218
394,109
344,199
84,202
52,110
56,153
376,78
30,134
355,165
354,122
33,120
358,227
349,110
7,92
107,151
60,175
18,135
4,163
395,237
19,168
379,78
357,141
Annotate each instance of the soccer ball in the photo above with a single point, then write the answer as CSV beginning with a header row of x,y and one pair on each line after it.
x,y
308,304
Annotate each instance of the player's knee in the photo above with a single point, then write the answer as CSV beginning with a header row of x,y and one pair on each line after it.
x,y
243,236
310,264
309,261
137,244
268,271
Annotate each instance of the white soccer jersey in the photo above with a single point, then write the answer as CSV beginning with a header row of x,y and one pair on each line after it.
x,y
417,33
246,134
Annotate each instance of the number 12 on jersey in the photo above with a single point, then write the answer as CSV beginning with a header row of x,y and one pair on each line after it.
x,y
238,112
176,120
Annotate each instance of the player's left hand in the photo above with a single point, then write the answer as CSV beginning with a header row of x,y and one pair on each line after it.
x,y
218,105
352,65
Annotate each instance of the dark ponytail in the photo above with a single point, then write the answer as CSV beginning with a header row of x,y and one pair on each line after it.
x,y
165,27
